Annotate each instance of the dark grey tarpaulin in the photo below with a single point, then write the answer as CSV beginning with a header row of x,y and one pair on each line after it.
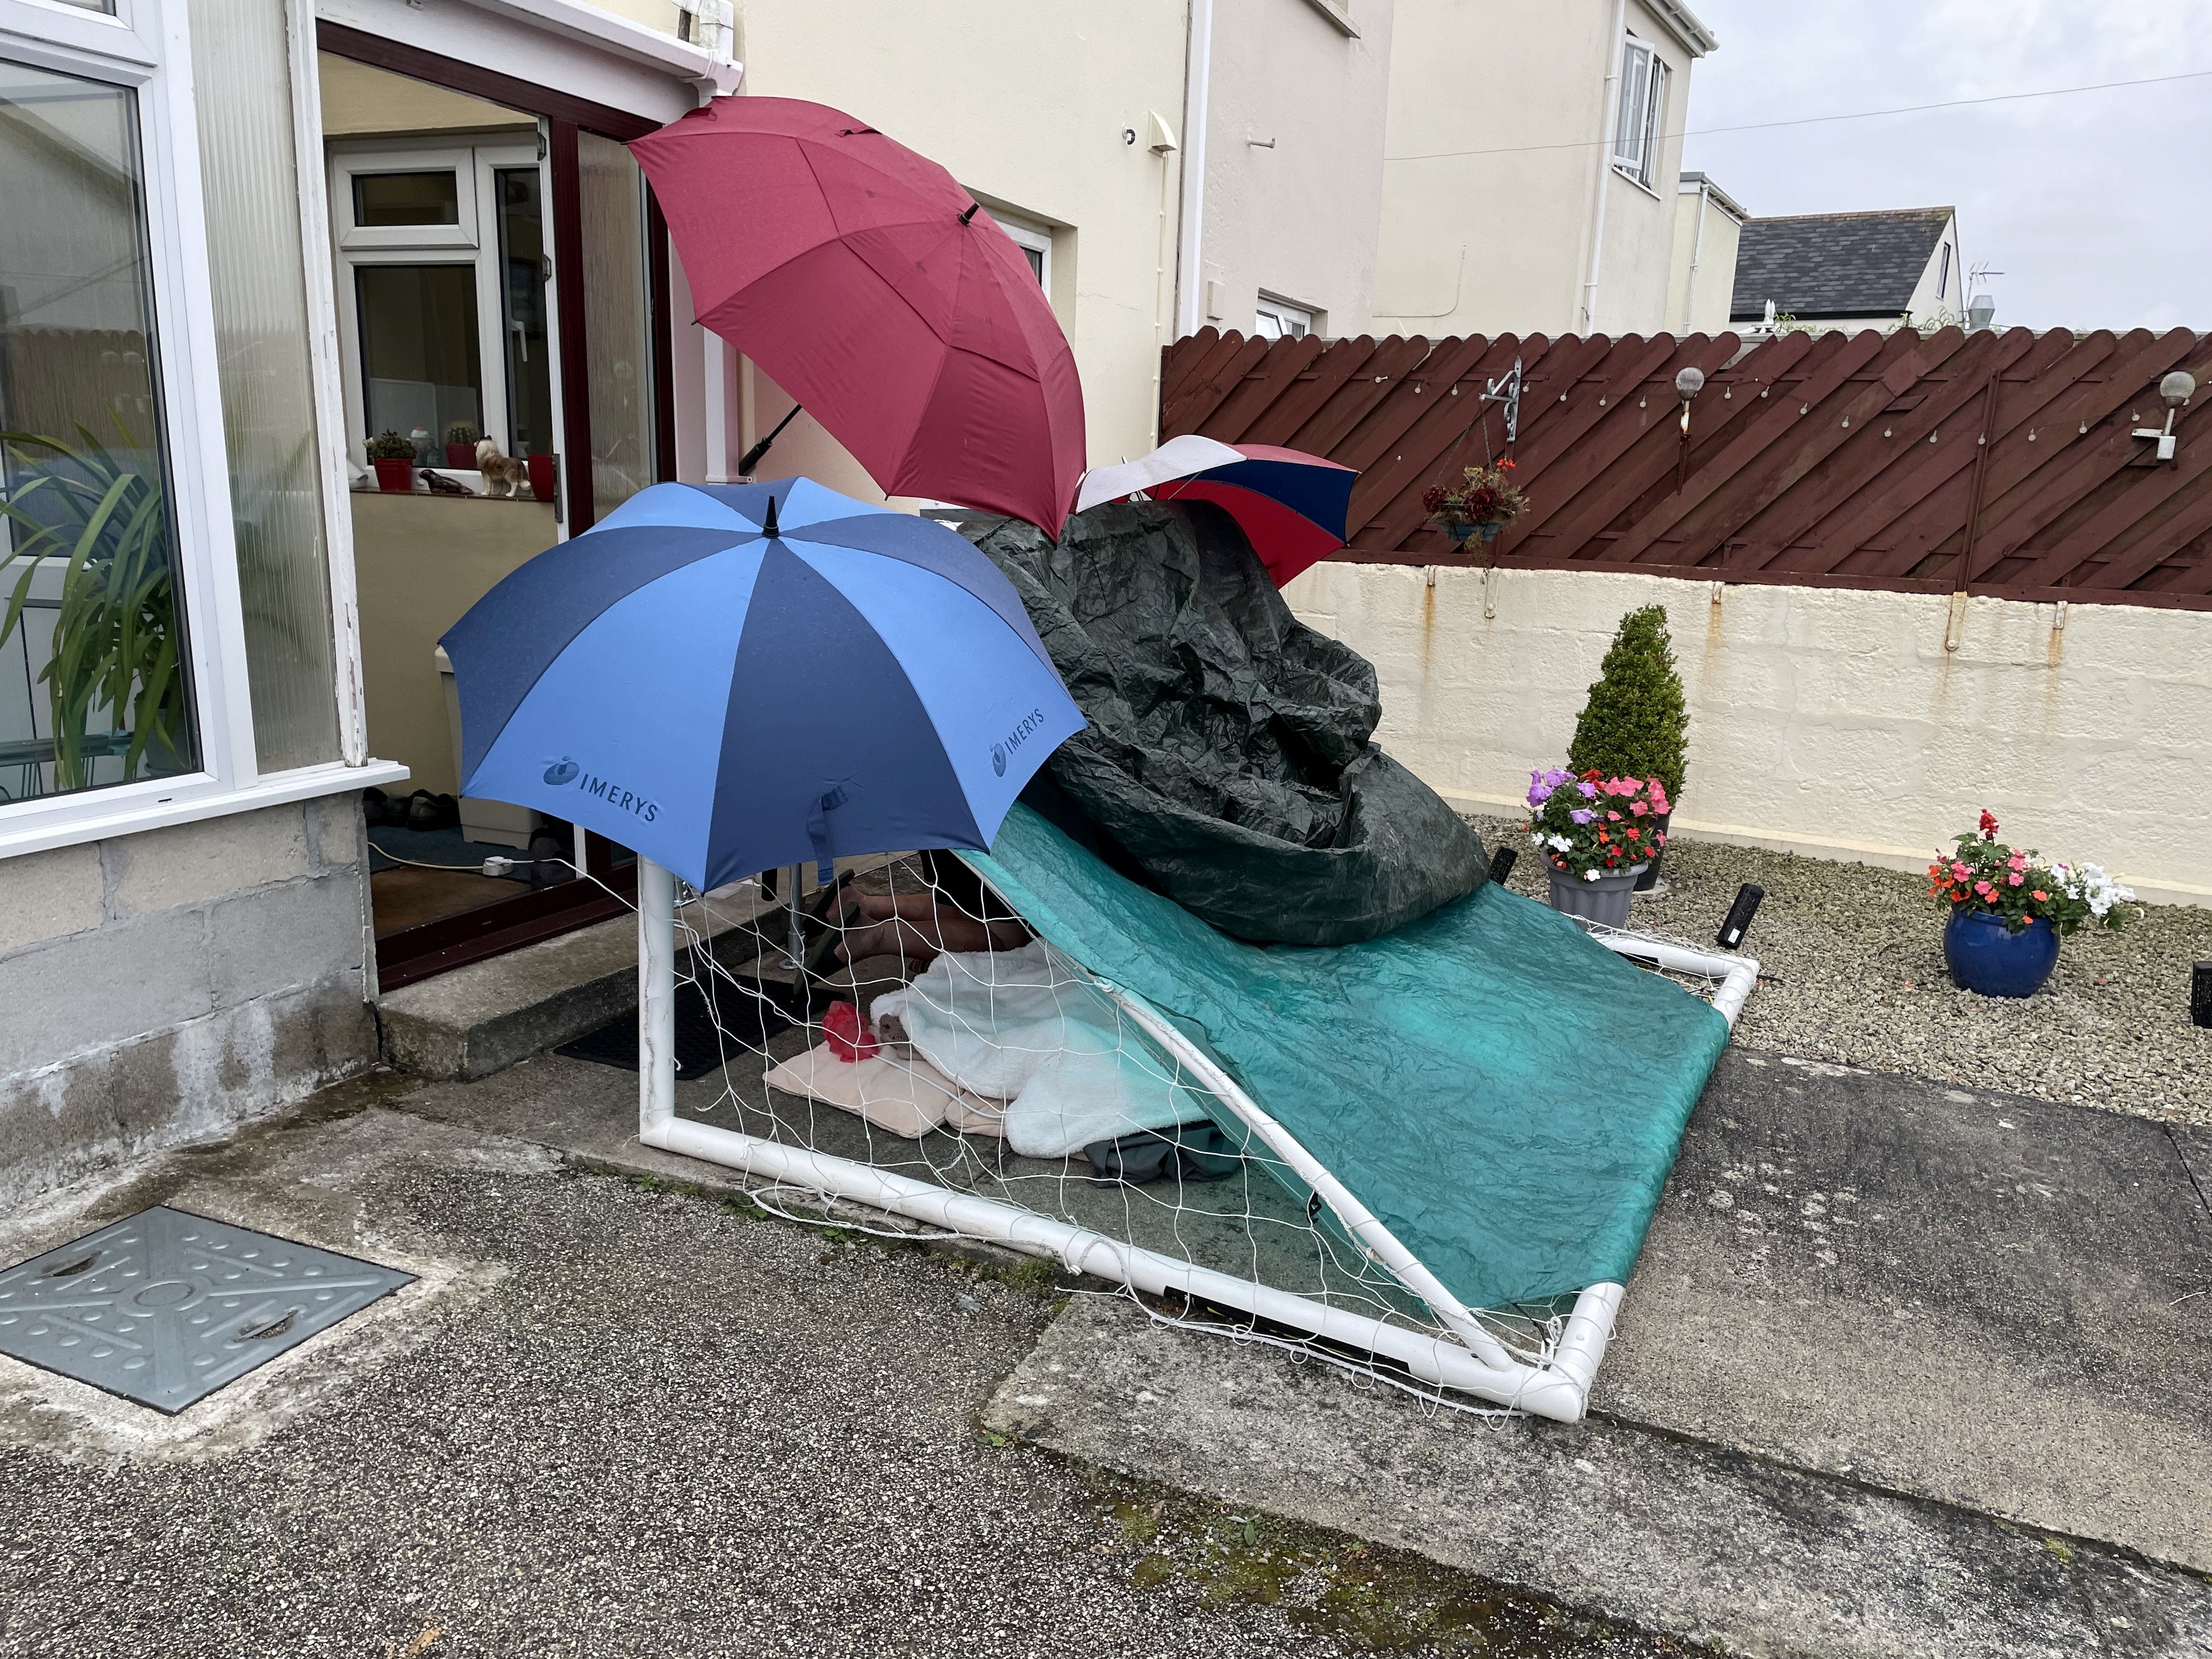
x,y
1230,760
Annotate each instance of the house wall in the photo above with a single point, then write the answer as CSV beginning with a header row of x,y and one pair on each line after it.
x,y
1498,238
166,986
1298,219
1025,104
1930,309
1822,720
1699,303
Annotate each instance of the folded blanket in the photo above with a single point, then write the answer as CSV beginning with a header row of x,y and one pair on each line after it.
x,y
908,1095
1031,1029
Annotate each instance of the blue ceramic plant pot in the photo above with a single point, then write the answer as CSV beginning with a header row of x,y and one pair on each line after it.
x,y
1988,960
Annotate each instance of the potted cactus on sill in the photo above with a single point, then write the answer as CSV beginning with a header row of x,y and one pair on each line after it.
x,y
392,457
1635,724
461,445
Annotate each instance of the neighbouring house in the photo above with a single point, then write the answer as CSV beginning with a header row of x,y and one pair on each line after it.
x,y
1530,166
1884,270
1701,283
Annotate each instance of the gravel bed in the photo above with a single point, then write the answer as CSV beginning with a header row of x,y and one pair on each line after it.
x,y
1851,964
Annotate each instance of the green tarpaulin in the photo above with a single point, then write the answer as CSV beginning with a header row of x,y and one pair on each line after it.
x,y
1504,1093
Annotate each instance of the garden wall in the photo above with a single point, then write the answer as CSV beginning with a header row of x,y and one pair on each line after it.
x,y
1825,721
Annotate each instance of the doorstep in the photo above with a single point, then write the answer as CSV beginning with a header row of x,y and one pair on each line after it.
x,y
480,1019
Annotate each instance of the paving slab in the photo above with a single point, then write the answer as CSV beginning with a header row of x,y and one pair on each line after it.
x,y
1695,1540
1990,1301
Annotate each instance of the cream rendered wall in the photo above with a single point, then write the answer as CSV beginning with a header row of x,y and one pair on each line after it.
x,y
1822,720
1485,242
1698,304
1026,103
1500,239
1298,220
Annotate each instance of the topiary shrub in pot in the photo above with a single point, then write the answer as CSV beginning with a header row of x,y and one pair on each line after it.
x,y
1635,724
2010,909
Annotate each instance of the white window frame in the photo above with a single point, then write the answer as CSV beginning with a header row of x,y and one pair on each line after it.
x,y
457,160
1037,240
474,241
1293,322
1639,131
146,48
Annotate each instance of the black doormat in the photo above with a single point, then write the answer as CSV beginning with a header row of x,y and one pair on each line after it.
x,y
751,1011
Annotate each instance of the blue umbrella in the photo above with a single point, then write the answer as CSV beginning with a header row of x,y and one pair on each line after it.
x,y
730,678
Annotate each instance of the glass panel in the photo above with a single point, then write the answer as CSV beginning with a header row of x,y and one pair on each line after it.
x,y
418,352
250,187
93,687
522,292
407,198
107,6
1635,84
617,361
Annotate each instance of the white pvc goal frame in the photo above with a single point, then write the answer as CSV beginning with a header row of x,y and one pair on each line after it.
x,y
1465,1355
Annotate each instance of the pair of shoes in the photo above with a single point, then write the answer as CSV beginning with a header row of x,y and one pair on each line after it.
x,y
427,811
382,810
550,863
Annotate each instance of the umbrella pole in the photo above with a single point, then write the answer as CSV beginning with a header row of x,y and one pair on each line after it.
x,y
656,999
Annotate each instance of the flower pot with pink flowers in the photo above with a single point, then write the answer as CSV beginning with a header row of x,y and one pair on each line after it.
x,y
2010,909
1482,503
1597,834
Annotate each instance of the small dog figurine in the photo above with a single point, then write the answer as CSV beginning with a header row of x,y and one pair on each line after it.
x,y
511,471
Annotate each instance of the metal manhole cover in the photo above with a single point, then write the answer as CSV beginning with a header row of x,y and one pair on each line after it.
x,y
166,1307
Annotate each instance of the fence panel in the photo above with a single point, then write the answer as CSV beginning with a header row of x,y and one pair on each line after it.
x,y
1998,464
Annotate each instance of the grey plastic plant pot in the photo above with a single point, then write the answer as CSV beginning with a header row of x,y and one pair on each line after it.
x,y
1604,900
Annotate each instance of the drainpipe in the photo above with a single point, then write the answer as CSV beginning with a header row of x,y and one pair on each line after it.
x,y
1190,272
1697,248
1605,160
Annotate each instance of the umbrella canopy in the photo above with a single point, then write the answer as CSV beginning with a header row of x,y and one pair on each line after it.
x,y
1292,505
873,289
732,678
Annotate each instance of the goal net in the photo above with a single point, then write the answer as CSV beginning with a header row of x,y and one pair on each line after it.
x,y
928,1046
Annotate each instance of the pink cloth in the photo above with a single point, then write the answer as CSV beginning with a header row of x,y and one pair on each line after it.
x,y
906,1097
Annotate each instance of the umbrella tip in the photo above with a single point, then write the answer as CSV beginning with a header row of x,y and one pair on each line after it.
x,y
970,214
768,527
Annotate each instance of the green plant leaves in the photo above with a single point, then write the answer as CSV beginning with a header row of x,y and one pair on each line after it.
x,y
116,644
1635,724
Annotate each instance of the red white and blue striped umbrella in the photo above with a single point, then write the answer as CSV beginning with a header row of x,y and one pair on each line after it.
x,y
1292,505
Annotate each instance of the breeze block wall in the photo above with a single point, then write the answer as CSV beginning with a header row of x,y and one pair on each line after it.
x,y
167,986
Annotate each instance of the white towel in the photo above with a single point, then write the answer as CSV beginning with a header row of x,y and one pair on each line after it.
x,y
1029,1027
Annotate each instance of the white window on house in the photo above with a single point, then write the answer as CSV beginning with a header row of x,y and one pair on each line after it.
x,y
1036,243
166,622
442,312
1640,130
1278,319
1943,276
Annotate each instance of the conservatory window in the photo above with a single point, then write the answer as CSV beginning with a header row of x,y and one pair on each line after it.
x,y
96,677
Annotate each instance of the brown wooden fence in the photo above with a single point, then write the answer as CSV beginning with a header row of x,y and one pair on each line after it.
x,y
1997,464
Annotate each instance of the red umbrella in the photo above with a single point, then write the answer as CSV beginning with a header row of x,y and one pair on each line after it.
x,y
871,287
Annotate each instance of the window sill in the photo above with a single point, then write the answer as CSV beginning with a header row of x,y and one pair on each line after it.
x,y
1628,178
525,499
129,818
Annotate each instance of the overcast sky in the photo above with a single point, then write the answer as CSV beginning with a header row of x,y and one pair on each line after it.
x,y
2097,206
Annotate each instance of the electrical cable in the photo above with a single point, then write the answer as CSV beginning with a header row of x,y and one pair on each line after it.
x,y
1814,120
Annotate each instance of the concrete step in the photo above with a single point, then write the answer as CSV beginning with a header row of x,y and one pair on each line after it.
x,y
483,1018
